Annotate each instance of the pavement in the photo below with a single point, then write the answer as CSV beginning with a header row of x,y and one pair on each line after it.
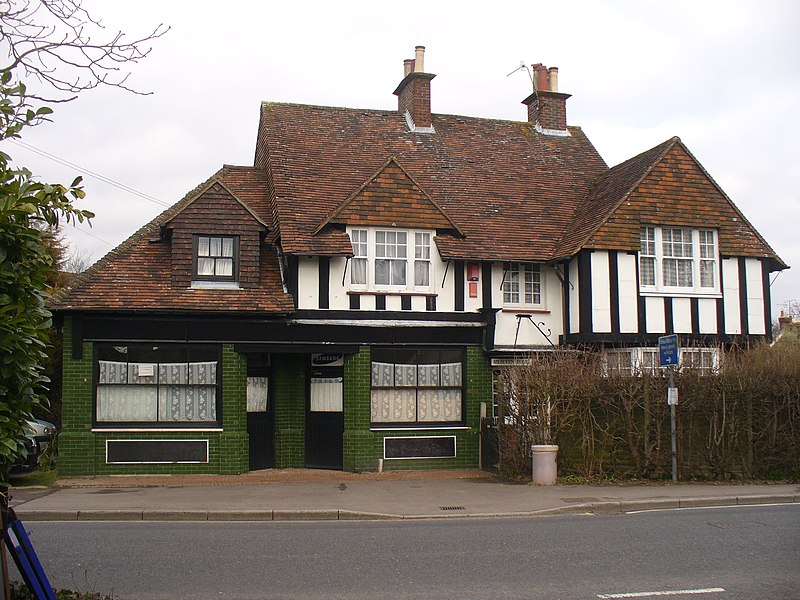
x,y
300,494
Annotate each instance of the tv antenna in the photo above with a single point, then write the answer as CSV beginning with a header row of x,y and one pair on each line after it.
x,y
523,66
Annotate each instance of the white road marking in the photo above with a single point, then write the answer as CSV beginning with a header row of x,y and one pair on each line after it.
x,y
661,593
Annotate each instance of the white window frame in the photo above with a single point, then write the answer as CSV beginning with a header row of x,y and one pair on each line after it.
x,y
413,249
655,236
510,269
645,360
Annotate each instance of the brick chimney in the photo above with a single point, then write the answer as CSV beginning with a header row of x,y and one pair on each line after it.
x,y
414,93
547,107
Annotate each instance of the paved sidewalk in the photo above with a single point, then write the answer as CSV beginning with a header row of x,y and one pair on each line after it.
x,y
311,495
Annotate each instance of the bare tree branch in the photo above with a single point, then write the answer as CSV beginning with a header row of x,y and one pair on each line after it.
x,y
60,50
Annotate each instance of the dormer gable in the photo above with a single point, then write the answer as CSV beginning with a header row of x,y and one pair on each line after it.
x,y
664,186
215,241
390,198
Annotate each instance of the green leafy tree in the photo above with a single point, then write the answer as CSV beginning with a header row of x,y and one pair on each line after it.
x,y
27,208
57,48
50,52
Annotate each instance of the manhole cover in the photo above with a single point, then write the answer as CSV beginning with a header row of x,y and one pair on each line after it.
x,y
452,507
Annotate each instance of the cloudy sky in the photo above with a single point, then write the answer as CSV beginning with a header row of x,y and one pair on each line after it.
x,y
724,76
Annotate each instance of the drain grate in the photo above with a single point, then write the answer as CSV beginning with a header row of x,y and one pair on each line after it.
x,y
452,507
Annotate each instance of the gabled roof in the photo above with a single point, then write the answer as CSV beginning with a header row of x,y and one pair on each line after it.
x,y
510,190
665,185
136,275
389,197
255,193
606,194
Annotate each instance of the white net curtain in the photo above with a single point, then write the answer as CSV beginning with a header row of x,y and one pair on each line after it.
x,y
147,392
409,393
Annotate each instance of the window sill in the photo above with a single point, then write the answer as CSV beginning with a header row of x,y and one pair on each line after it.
x,y
526,311
390,293
420,428
215,285
679,294
108,429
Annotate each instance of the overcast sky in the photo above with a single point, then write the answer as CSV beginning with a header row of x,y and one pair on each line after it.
x,y
723,76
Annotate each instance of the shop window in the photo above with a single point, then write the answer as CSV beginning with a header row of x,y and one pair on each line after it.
x,y
411,387
157,385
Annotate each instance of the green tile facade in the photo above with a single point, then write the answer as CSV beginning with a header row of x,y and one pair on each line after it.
x,y
289,383
363,448
82,451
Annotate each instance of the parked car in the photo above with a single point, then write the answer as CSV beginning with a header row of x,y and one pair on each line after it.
x,y
38,436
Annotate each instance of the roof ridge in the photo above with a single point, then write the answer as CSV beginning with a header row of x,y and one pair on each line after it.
x,y
392,111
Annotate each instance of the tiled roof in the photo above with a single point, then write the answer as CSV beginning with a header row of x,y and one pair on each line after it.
x,y
605,195
390,197
509,189
137,275
665,185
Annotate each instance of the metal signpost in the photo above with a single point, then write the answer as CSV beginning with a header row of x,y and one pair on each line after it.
x,y
668,357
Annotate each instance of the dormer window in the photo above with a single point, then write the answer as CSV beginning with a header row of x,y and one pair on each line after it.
x,y
216,258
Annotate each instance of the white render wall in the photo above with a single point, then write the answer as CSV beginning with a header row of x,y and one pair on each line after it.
x,y
730,294
755,296
339,285
574,297
601,292
628,294
602,304
549,317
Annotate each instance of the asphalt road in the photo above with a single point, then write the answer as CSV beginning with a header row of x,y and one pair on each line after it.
x,y
749,552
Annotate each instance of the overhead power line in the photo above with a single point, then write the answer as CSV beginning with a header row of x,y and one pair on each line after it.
x,y
86,171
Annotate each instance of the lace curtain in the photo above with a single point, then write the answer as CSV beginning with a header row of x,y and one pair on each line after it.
x,y
439,405
257,394
127,403
150,392
394,405
326,394
409,393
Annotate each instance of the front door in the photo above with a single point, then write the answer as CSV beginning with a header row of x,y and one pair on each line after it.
x,y
325,417
260,416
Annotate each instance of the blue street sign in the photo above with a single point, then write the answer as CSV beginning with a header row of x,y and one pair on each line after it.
x,y
668,350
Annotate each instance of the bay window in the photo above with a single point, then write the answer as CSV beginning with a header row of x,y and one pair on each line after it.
x,y
678,260
165,385
416,386
391,260
390,257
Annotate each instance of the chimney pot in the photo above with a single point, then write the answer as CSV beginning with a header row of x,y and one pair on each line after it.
x,y
547,107
553,79
419,66
541,78
414,93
